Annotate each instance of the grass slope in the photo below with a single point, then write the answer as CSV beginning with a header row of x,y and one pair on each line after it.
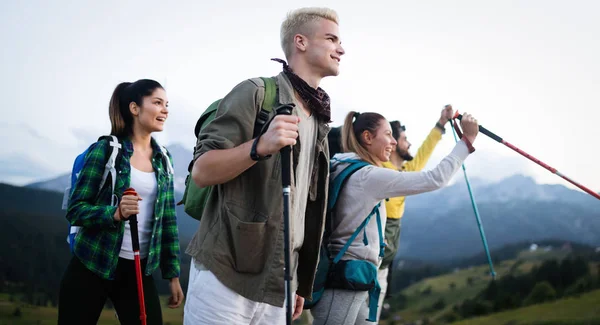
x,y
581,310
32,315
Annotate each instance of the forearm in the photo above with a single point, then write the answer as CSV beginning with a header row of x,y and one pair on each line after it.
x,y
87,215
170,266
222,165
425,151
170,249
170,260
387,183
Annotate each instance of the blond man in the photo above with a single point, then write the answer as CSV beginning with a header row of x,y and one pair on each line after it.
x,y
237,276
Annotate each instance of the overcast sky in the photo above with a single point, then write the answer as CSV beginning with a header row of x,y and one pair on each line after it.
x,y
528,70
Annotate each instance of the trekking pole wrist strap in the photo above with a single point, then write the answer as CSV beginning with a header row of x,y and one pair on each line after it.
x,y
460,135
119,213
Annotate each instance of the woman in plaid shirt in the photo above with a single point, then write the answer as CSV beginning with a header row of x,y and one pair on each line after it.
x,y
103,265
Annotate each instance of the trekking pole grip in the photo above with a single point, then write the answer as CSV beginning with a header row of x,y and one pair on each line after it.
x,y
130,191
285,109
481,129
133,223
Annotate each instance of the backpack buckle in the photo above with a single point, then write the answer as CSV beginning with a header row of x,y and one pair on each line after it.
x,y
263,116
261,120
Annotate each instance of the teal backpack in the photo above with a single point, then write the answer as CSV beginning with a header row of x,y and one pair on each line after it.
x,y
333,272
194,197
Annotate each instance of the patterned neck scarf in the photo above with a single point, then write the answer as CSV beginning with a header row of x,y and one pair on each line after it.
x,y
316,99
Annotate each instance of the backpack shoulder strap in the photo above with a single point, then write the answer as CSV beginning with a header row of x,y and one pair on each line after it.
x,y
269,101
339,181
115,147
360,228
335,187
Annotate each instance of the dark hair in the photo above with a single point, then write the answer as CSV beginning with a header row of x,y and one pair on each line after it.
x,y
121,119
353,130
334,138
397,129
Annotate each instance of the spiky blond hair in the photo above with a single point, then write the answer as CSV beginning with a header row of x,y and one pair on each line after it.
x,y
299,21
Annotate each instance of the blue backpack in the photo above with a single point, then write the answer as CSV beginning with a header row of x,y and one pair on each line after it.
x,y
109,168
333,272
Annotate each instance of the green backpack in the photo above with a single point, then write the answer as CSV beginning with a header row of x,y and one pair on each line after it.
x,y
194,197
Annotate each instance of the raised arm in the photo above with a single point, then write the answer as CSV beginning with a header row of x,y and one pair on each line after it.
x,y
386,183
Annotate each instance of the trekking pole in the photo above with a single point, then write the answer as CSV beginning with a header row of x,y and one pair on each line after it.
x,y
530,157
474,204
286,166
135,242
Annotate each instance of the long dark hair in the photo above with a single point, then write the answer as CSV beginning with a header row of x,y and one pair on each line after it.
x,y
121,119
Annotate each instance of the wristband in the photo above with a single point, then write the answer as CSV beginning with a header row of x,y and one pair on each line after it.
x,y
441,127
254,155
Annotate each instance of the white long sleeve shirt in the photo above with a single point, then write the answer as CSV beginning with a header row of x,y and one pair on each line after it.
x,y
371,185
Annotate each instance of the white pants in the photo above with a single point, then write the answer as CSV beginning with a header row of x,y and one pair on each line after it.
x,y
364,308
209,302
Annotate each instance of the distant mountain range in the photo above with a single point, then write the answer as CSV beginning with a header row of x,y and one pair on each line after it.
x,y
34,251
181,159
20,168
441,225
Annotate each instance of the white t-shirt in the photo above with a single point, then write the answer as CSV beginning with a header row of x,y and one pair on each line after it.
x,y
146,186
308,137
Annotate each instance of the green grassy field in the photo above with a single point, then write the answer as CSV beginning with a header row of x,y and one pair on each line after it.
x,y
581,310
453,288
33,315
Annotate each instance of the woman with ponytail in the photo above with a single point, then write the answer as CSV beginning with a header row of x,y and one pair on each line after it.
x,y
102,266
367,137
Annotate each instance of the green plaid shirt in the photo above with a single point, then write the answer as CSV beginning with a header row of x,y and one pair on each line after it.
x,y
98,243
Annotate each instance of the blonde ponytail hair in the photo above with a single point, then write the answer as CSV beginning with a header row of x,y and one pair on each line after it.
x,y
354,126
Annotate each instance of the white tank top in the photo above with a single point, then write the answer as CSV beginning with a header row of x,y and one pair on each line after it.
x,y
146,187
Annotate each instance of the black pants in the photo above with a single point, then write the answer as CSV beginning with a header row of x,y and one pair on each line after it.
x,y
83,294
